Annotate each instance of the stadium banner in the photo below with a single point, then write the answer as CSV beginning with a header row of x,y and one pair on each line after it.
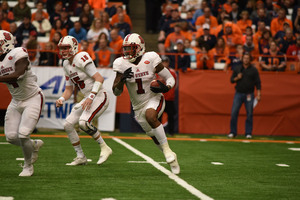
x,y
52,81
205,101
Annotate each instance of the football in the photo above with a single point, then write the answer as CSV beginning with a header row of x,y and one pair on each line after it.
x,y
154,83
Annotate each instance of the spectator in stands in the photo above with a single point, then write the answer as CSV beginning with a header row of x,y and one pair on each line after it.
x,y
215,7
85,46
42,25
227,6
220,53
169,96
199,12
97,5
248,32
244,22
207,17
40,6
250,47
287,40
281,34
96,29
207,38
183,59
56,14
104,54
6,9
97,44
77,7
55,39
33,52
203,61
87,10
23,30
277,23
264,42
260,29
274,60
258,5
57,27
115,18
168,28
167,15
21,10
78,32
171,40
237,58
105,19
84,21
3,23
261,16
190,5
65,18
122,25
116,42
246,78
188,48
231,38
13,29
49,55
297,21
235,12
293,52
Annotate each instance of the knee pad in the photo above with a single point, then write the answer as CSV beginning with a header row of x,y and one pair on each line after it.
x,y
24,132
87,127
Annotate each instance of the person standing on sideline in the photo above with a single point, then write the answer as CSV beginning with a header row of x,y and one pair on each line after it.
x,y
27,102
170,97
80,71
137,69
246,77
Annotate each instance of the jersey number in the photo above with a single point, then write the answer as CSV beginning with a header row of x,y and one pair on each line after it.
x,y
84,58
76,80
139,83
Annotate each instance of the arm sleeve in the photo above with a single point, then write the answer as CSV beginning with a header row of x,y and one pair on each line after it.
x,y
166,75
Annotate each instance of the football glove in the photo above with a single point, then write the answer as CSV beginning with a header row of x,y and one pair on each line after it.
x,y
161,89
127,74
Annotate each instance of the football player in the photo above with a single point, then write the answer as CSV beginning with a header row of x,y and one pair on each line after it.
x,y
137,69
27,101
80,71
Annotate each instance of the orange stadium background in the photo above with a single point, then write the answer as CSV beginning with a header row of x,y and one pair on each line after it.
x,y
205,100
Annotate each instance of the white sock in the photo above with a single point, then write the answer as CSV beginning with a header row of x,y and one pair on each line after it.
x,y
79,151
98,138
74,139
160,134
27,147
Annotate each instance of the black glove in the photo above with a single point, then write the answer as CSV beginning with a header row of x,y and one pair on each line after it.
x,y
127,74
161,89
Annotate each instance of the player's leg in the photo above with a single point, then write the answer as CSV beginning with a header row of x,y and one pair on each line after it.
x,y
11,124
99,105
69,127
32,109
150,123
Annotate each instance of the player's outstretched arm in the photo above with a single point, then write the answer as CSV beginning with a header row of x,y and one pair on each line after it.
x,y
65,96
20,67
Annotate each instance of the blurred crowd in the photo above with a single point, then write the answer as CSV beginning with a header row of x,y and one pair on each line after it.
x,y
193,34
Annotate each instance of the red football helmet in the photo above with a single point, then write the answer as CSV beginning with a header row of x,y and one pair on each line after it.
x,y
133,47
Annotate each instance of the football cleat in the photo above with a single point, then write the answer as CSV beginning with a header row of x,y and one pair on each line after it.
x,y
37,144
230,135
171,159
27,171
248,136
105,153
78,161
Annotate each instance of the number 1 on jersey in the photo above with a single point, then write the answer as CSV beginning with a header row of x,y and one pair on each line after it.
x,y
140,89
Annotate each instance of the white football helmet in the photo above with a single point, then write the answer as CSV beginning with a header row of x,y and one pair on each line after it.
x,y
7,42
68,46
133,47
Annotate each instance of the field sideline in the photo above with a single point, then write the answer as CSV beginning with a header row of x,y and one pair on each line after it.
x,y
212,167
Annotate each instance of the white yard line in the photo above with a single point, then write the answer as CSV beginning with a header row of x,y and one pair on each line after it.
x,y
294,149
282,165
4,143
172,176
6,198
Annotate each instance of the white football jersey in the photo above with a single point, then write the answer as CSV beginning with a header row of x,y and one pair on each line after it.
x,y
139,86
26,86
75,73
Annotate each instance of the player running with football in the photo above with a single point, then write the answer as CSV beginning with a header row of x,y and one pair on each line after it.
x,y
80,71
27,101
137,69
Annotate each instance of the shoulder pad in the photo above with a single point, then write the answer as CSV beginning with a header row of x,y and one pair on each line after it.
x,y
81,59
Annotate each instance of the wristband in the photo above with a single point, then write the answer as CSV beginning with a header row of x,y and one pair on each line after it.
x,y
91,96
62,98
96,87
